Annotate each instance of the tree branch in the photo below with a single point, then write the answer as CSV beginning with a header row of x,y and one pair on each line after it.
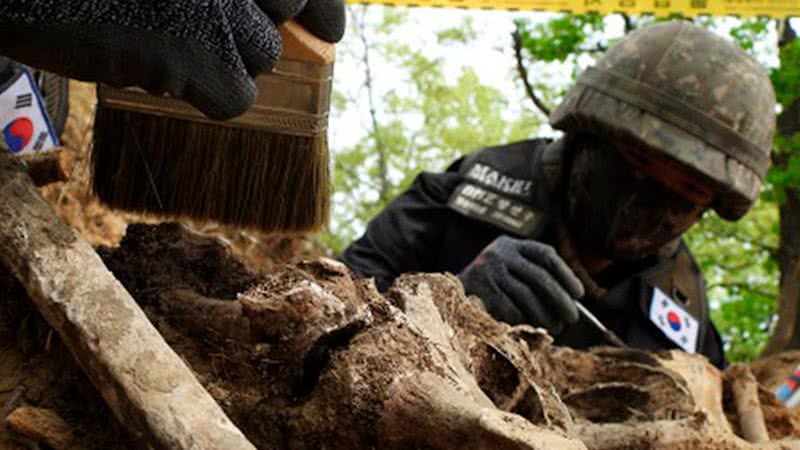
x,y
523,74
741,287
735,268
629,26
784,334
771,250
411,150
599,48
352,174
383,171
787,33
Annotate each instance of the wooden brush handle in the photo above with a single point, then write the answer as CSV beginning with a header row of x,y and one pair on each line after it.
x,y
301,45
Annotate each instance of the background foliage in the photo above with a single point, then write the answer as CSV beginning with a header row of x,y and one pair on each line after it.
x,y
429,115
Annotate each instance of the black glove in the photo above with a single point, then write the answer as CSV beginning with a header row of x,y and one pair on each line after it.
x,y
203,51
524,281
324,18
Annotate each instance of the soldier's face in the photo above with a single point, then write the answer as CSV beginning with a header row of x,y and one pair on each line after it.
x,y
618,212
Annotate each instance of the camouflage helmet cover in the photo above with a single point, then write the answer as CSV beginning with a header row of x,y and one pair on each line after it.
x,y
687,95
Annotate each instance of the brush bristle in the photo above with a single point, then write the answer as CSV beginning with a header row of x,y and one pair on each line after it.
x,y
176,168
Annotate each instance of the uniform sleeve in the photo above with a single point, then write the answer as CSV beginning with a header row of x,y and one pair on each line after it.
x,y
713,348
404,236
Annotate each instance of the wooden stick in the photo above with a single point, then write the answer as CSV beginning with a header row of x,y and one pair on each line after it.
x,y
148,387
41,426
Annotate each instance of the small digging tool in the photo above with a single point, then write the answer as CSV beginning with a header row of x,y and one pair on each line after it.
x,y
609,335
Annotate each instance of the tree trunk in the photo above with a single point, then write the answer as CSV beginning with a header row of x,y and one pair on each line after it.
x,y
786,335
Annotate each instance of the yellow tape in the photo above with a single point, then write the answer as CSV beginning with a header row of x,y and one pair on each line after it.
x,y
742,8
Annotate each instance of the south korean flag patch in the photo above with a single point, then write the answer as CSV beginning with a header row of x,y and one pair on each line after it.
x,y
680,327
24,123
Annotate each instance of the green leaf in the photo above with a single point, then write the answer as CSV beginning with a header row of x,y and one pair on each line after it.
x,y
786,78
559,38
748,32
463,34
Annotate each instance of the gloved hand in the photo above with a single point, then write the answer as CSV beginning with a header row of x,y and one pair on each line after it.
x,y
325,18
524,281
203,51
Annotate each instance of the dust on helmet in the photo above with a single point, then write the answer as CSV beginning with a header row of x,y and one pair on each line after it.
x,y
684,95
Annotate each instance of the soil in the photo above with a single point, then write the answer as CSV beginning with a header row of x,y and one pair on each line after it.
x,y
268,390
214,293
152,262
36,369
31,356
250,382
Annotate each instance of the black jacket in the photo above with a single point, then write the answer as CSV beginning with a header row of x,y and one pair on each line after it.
x,y
445,219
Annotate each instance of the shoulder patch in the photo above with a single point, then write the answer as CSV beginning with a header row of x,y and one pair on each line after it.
x,y
24,123
482,204
676,324
489,176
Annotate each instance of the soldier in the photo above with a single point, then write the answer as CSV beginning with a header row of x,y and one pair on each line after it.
x,y
671,121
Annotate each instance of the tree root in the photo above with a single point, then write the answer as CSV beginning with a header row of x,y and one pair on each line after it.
x,y
144,382
744,388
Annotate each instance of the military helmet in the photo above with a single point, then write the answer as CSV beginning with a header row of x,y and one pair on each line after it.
x,y
685,95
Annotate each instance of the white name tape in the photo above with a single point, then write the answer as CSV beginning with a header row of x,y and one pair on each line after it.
x,y
24,123
680,327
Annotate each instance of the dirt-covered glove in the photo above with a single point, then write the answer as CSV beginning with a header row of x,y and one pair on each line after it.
x,y
524,281
203,51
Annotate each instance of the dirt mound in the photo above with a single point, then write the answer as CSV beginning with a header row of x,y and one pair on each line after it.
x,y
308,357
36,369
